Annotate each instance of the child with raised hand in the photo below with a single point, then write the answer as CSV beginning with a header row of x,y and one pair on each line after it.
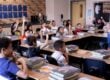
x,y
34,46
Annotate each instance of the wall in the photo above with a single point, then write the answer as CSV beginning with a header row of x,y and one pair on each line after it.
x,y
50,9
33,6
90,10
55,8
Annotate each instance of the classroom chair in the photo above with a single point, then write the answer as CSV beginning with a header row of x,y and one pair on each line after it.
x,y
51,60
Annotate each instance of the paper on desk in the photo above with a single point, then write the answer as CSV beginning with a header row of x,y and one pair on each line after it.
x,y
69,36
84,78
96,55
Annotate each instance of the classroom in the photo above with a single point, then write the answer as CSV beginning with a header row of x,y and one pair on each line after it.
x,y
54,39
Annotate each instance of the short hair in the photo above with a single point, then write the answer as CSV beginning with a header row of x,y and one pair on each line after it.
x,y
58,44
31,40
4,43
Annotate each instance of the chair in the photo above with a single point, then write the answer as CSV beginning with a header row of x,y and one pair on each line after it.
x,y
51,60
94,67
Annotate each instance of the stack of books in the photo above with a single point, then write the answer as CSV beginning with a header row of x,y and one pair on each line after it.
x,y
64,73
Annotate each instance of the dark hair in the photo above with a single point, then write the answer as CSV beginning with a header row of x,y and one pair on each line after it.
x,y
59,28
28,25
4,43
53,20
67,23
58,44
31,40
48,22
38,29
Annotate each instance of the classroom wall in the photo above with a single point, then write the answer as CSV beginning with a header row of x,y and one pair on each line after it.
x,y
33,6
50,9
54,9
90,10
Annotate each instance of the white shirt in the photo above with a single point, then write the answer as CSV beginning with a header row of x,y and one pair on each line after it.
x,y
45,30
66,31
3,78
58,56
54,29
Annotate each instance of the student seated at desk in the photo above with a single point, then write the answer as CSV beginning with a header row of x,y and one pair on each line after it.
x,y
60,53
14,28
49,24
68,27
45,28
8,62
78,28
34,47
100,24
60,32
2,34
28,31
64,23
54,27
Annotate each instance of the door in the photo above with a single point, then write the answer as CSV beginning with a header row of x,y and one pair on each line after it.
x,y
78,12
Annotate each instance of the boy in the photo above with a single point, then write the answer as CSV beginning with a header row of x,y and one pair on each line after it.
x,y
8,67
60,53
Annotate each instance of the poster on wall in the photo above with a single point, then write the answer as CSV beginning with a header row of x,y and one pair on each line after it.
x,y
106,7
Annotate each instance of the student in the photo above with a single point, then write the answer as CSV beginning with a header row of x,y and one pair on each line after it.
x,y
68,27
2,34
64,23
44,28
48,24
100,24
34,47
14,28
28,31
78,28
37,33
60,32
54,26
60,53
8,66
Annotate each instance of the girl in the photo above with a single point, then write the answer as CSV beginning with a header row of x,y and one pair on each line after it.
x,y
44,29
60,32
28,31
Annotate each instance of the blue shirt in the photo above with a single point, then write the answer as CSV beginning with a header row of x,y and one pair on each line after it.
x,y
8,69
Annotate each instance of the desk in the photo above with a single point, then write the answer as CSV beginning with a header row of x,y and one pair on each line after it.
x,y
41,76
79,54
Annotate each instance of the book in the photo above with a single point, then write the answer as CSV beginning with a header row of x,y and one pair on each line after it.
x,y
65,71
51,78
55,77
35,62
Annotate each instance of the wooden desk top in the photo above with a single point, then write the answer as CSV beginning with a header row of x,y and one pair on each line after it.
x,y
79,54
42,76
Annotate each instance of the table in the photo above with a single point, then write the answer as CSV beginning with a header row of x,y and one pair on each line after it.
x,y
41,76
